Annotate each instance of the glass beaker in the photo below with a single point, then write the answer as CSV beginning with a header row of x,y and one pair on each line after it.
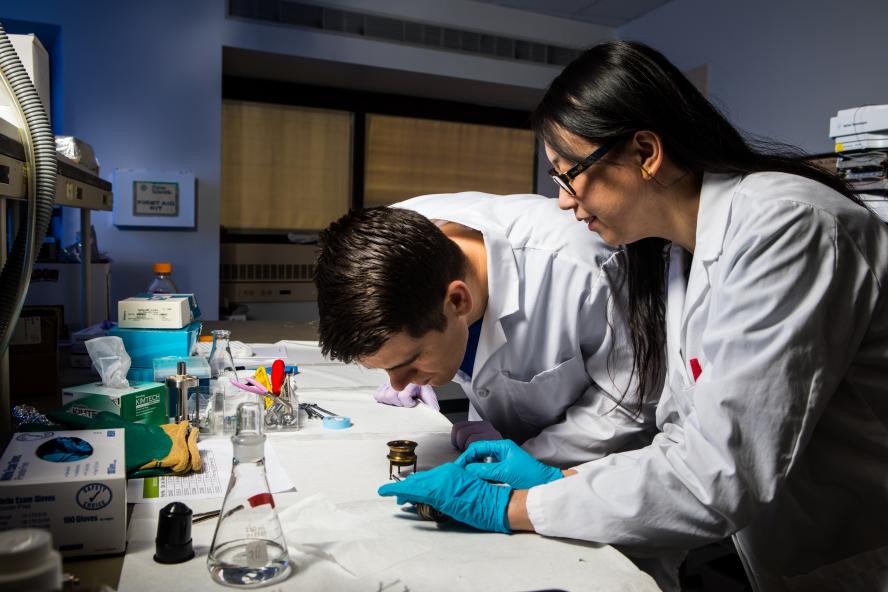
x,y
248,547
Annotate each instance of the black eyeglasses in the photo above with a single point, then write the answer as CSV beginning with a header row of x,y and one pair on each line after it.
x,y
563,179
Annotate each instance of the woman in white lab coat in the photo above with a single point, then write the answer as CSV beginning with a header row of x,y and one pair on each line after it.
x,y
774,419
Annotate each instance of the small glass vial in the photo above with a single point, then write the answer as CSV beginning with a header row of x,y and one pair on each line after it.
x,y
248,547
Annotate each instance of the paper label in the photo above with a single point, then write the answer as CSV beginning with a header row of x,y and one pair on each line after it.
x,y
155,198
257,554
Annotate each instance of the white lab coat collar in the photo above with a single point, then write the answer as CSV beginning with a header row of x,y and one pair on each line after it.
x,y
677,286
503,285
502,272
713,214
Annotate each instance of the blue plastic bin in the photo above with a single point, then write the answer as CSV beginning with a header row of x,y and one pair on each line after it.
x,y
137,374
143,345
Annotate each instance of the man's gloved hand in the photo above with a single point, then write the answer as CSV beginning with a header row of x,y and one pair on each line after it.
x,y
459,494
409,397
512,466
464,433
171,448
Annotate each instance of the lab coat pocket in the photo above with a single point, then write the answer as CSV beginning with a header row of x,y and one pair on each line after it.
x,y
682,390
544,398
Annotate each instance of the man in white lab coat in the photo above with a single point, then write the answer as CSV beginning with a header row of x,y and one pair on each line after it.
x,y
507,296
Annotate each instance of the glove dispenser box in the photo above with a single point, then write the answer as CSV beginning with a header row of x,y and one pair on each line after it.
x,y
142,402
72,483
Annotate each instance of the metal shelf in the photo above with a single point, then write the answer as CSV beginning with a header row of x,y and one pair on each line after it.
x,y
76,187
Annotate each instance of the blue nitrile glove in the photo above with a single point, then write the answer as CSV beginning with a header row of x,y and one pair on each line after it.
x,y
459,494
513,465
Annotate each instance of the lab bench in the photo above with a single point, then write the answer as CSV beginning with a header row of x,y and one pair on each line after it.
x,y
342,535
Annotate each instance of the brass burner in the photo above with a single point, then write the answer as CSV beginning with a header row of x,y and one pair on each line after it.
x,y
401,454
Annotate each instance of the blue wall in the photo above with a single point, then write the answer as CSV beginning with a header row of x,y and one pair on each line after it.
x,y
778,69
141,82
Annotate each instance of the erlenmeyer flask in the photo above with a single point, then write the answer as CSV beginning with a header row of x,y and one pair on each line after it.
x,y
220,353
248,547
222,371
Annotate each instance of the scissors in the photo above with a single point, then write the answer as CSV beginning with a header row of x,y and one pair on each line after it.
x,y
260,387
251,386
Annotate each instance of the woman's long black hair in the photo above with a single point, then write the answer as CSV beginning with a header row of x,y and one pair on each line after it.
x,y
618,88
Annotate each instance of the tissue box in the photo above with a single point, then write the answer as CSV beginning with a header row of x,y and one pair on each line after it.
x,y
155,311
143,402
143,345
72,483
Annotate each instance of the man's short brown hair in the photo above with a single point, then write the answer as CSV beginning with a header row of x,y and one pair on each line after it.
x,y
382,271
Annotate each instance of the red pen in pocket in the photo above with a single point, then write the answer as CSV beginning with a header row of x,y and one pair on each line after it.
x,y
695,368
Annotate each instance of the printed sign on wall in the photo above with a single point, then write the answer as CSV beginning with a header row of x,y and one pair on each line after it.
x,y
154,199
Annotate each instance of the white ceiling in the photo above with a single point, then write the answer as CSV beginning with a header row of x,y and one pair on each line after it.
x,y
611,13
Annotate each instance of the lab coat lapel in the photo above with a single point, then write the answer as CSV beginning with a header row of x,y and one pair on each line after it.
x,y
503,288
675,300
712,222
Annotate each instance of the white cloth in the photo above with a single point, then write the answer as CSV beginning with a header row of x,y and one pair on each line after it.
x,y
343,537
783,436
544,375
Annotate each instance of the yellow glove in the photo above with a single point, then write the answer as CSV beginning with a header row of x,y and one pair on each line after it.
x,y
183,455
193,451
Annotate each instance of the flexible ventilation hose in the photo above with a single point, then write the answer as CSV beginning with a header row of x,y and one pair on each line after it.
x,y
40,150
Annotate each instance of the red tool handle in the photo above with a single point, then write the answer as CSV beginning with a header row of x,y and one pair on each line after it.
x,y
277,376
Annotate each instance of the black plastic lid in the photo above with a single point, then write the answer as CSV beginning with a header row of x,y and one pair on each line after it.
x,y
173,542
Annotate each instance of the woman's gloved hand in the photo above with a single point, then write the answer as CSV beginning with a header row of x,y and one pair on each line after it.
x,y
459,494
464,433
512,465
411,396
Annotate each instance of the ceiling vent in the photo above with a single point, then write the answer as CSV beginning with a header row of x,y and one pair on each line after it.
x,y
400,31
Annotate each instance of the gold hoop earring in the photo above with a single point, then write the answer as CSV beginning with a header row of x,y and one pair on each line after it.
x,y
646,174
